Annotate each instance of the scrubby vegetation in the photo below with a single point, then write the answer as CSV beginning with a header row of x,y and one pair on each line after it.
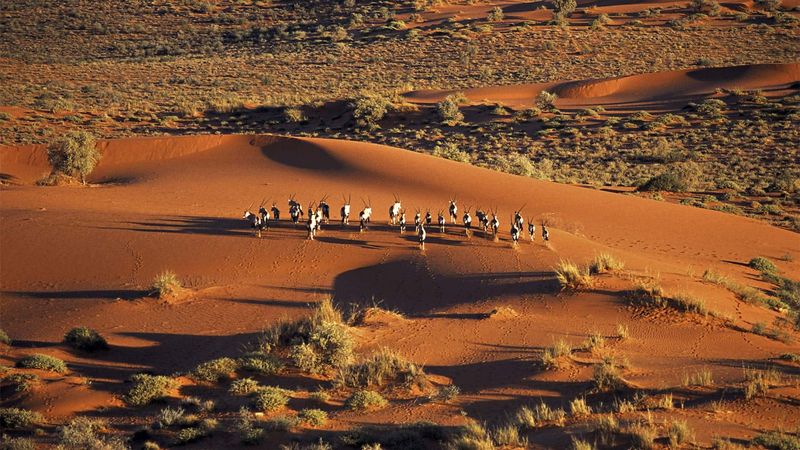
x,y
83,433
75,155
165,284
13,418
215,370
363,400
4,339
43,362
571,277
148,388
86,339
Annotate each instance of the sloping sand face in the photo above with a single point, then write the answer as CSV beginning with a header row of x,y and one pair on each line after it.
x,y
86,256
634,89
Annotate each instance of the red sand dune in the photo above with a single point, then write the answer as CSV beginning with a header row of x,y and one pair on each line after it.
x,y
662,86
85,256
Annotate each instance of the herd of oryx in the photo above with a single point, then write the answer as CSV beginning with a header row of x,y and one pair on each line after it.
x,y
320,213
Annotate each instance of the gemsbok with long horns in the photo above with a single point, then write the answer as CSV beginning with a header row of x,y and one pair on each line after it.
x,y
255,221
441,221
394,210
467,222
422,236
345,211
453,208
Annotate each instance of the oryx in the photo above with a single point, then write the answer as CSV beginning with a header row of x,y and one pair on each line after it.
x,y
515,232
402,221
264,214
276,213
422,235
364,216
532,229
325,209
482,219
345,212
295,210
453,210
428,217
467,221
494,224
255,221
545,233
518,220
394,210
441,221
417,221
311,224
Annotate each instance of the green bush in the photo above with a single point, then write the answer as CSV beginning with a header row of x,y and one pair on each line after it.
x,y
448,109
763,265
19,443
364,400
546,100
13,418
86,339
85,433
75,155
215,370
451,151
605,262
382,368
607,377
271,398
244,386
148,388
564,8
776,440
313,417
43,362
369,109
495,15
678,177
329,346
22,382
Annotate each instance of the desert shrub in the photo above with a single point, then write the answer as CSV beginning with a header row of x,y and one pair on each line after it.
x,y
328,346
447,393
165,284
364,400
369,109
249,433
689,303
313,417
4,339
607,376
282,423
601,21
758,382
679,433
382,368
74,155
260,362
546,100
18,443
605,262
320,396
199,404
326,312
579,408
540,413
708,7
451,151
648,292
594,341
513,163
86,339
495,15
12,418
678,177
193,434
169,416
762,264
85,433
215,370
22,382
148,388
293,114
448,109
776,440
243,386
43,362
564,8
572,277
271,398
622,331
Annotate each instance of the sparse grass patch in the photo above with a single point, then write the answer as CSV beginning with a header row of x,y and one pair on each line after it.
x,y
43,362
447,393
679,433
579,408
260,362
169,416
13,418
606,428
572,277
365,400
642,436
605,262
553,356
244,386
22,382
382,368
86,433
622,331
607,376
580,444
758,382
86,339
166,284
702,377
4,339
763,265
215,370
776,440
148,388
508,436
689,303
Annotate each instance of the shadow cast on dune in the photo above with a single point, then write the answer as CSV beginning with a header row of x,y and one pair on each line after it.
x,y
213,226
302,155
113,294
410,287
